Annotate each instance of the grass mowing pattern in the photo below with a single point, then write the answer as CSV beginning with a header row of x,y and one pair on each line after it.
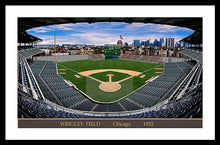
x,y
84,84
84,65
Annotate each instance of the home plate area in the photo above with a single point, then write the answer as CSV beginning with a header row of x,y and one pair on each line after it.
x,y
109,86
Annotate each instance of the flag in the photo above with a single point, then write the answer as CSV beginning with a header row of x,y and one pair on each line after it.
x,y
121,37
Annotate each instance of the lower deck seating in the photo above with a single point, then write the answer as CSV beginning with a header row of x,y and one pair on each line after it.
x,y
156,90
56,90
190,106
96,57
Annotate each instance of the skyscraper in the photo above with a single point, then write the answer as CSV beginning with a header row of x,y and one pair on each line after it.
x,y
144,43
162,42
156,42
170,42
137,43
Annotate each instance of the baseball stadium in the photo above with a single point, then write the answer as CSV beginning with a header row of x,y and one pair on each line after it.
x,y
112,84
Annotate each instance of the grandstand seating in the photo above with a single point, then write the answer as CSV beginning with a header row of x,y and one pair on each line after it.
x,y
68,96
196,55
151,93
56,90
147,96
28,52
61,91
190,106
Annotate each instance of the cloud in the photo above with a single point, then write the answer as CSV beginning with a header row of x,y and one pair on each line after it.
x,y
95,38
45,29
107,33
39,30
135,25
63,27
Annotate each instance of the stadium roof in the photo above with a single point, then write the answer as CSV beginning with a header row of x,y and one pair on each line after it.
x,y
24,37
194,23
195,38
191,23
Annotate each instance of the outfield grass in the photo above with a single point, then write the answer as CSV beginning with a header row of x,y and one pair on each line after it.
x,y
84,65
90,87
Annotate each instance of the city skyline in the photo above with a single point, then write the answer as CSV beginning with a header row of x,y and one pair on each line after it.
x,y
107,33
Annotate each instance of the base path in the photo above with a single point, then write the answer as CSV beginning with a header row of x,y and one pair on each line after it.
x,y
130,72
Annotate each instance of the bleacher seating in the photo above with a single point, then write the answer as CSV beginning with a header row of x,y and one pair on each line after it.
x,y
143,58
135,57
96,57
123,56
154,59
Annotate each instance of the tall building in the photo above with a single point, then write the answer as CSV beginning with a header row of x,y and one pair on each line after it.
x,y
170,42
137,43
156,42
119,43
143,43
178,45
148,43
162,42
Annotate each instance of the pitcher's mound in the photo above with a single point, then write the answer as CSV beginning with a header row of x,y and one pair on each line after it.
x,y
109,86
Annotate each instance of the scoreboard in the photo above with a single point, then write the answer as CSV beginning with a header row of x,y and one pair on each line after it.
x,y
112,51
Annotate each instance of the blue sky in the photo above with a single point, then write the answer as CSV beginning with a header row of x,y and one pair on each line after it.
x,y
101,33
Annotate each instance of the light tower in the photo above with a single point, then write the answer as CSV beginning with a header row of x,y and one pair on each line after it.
x,y
54,48
161,55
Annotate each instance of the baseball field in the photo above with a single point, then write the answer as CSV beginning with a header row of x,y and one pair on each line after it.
x,y
108,81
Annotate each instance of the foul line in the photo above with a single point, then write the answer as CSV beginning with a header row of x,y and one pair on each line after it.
x,y
67,68
138,75
124,79
78,73
150,69
95,79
